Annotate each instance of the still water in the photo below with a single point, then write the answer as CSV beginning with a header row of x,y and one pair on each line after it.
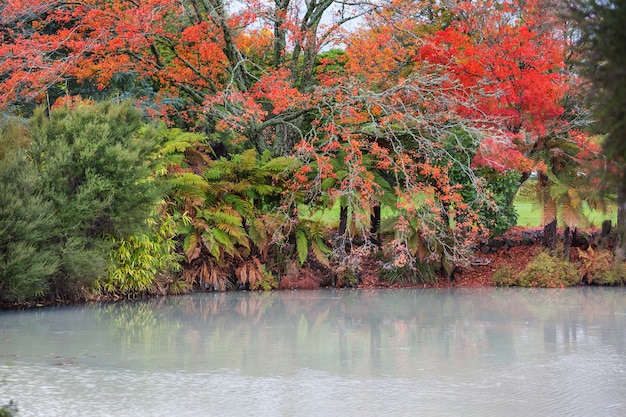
x,y
484,352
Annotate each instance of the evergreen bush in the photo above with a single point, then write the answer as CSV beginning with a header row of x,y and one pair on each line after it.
x,y
81,184
27,256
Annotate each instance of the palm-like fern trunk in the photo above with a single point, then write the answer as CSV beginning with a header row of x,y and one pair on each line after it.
x,y
620,250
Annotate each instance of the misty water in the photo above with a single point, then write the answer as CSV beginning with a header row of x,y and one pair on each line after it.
x,y
418,352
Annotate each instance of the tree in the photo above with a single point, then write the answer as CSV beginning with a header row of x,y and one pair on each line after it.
x,y
27,257
200,62
94,174
602,45
517,52
402,116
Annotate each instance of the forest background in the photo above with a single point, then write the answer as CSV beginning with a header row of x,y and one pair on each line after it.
x,y
156,146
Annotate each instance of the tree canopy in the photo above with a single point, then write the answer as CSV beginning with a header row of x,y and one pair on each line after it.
x,y
435,110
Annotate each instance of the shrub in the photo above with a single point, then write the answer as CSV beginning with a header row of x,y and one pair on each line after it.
x,y
544,271
505,277
9,410
144,263
92,160
421,273
27,257
550,272
601,268
72,186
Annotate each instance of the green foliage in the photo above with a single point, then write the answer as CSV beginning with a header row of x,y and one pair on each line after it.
x,y
311,234
419,273
144,263
231,214
601,40
81,187
9,410
497,215
93,161
27,256
503,187
505,277
544,271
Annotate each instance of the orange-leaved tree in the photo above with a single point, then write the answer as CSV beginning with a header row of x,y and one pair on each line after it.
x,y
518,53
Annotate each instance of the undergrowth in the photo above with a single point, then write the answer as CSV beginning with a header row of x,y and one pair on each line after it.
x,y
546,270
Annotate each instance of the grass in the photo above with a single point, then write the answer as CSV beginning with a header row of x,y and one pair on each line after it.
x,y
529,214
528,211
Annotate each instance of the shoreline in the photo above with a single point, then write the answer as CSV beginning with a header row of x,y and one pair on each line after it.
x,y
515,249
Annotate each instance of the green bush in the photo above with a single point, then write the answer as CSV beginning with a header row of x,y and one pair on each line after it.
x,y
92,161
73,185
27,256
544,271
143,263
613,275
505,277
9,410
550,272
499,214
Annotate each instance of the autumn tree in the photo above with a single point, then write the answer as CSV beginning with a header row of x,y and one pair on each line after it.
x,y
422,93
517,53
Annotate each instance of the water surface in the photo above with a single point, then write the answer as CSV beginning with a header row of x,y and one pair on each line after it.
x,y
479,352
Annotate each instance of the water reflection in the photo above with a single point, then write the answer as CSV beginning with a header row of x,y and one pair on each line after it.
x,y
444,352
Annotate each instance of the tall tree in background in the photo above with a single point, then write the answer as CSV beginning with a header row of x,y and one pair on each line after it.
x,y
602,43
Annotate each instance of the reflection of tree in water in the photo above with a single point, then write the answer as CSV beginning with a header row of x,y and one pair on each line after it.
x,y
363,331
140,326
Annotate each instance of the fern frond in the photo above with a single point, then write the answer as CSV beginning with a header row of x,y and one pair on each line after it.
x,y
549,211
236,232
241,206
216,216
192,246
213,173
320,250
265,189
388,224
248,158
189,183
570,216
174,147
557,191
281,164
259,235
302,245
225,240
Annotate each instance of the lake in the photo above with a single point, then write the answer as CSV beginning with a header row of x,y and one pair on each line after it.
x,y
413,352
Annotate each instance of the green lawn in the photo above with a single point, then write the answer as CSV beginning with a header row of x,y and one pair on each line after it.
x,y
529,215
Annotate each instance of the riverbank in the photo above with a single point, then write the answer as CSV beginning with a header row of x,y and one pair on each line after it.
x,y
514,250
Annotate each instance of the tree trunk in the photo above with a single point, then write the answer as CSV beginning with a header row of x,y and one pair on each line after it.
x,y
375,225
340,239
343,220
620,248
567,242
549,235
